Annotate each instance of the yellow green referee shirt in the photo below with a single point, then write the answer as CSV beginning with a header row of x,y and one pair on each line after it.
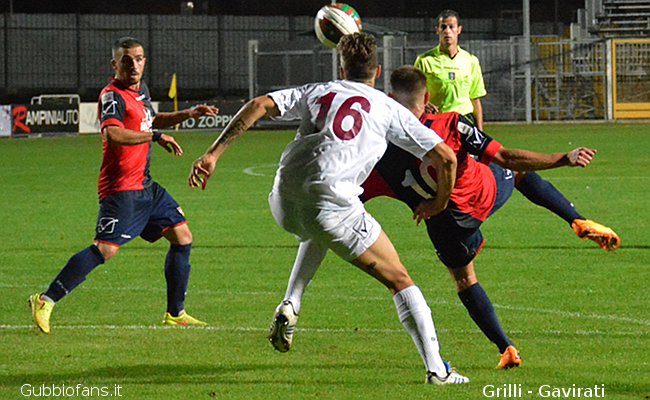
x,y
452,82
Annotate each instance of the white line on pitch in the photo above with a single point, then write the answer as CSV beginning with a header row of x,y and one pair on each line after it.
x,y
309,330
253,170
561,313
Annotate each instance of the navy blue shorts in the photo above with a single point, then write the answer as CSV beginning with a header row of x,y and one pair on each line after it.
x,y
147,213
457,236
505,185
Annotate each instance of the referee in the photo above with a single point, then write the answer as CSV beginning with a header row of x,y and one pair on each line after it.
x,y
454,77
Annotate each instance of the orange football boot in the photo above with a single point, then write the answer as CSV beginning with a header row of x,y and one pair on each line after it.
x,y
510,358
605,237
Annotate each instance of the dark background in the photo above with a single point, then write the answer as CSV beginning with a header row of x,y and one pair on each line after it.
x,y
541,11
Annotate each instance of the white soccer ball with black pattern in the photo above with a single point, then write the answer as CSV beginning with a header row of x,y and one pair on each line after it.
x,y
334,21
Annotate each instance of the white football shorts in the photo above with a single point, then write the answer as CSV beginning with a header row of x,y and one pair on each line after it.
x,y
348,232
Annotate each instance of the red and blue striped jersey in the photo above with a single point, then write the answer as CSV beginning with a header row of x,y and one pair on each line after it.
x,y
402,176
124,167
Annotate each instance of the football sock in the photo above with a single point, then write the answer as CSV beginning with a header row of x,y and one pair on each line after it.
x,y
177,275
544,194
309,257
43,297
74,272
480,308
415,315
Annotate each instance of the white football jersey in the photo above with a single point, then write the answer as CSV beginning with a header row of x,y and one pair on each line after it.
x,y
344,129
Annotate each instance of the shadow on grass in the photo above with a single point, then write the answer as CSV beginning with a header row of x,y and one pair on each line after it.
x,y
157,250
575,248
165,374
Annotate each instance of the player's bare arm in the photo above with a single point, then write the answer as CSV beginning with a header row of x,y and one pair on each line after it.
x,y
444,163
478,112
128,137
526,160
252,111
166,119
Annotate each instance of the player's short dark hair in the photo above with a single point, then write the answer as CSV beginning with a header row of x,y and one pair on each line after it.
x,y
126,42
358,55
444,14
407,79
407,85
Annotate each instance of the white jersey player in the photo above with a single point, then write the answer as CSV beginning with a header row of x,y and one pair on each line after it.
x,y
344,130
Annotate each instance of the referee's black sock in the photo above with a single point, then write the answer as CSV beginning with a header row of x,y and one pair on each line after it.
x,y
480,308
177,274
74,272
544,194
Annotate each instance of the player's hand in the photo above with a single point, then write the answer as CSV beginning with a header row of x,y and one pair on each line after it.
x,y
169,143
427,209
431,108
201,171
203,109
581,157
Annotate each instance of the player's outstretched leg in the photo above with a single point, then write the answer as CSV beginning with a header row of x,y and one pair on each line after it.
x,y
282,327
542,192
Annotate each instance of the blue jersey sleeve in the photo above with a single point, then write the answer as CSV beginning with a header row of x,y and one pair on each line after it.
x,y
146,97
111,106
475,141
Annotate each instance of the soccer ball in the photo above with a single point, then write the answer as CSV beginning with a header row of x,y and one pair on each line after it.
x,y
334,21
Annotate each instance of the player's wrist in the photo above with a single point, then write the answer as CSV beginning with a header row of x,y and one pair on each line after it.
x,y
155,135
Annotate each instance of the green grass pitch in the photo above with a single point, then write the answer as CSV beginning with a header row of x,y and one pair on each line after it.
x,y
579,315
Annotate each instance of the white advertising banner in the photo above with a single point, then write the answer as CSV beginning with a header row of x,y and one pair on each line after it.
x,y
88,122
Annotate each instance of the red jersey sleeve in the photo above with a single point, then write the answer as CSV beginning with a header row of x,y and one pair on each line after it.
x,y
490,151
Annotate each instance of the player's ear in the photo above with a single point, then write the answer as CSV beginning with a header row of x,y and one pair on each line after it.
x,y
460,29
427,96
378,71
341,72
114,64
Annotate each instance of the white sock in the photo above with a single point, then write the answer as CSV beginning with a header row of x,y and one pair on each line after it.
x,y
43,297
415,315
310,256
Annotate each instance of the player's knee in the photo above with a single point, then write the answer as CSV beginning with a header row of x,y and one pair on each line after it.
x,y
519,178
180,235
463,277
186,239
465,282
108,251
